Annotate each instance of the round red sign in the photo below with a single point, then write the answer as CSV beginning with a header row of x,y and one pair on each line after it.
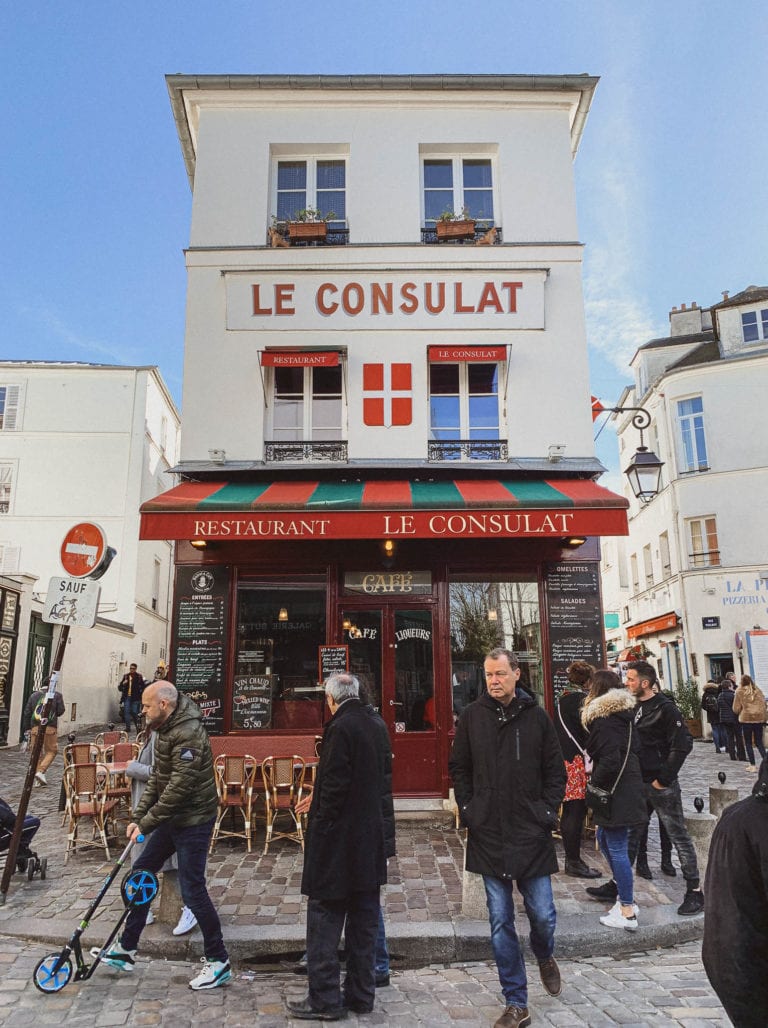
x,y
83,549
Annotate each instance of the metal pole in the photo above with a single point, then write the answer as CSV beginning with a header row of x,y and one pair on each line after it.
x,y
21,813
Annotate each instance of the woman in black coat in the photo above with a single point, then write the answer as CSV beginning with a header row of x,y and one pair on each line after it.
x,y
612,743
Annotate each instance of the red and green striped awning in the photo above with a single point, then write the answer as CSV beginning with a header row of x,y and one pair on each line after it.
x,y
378,509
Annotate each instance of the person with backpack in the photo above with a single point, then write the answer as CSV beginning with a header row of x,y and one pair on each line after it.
x,y
709,705
30,722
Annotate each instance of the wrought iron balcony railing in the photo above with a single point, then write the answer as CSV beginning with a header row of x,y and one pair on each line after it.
x,y
467,449
276,451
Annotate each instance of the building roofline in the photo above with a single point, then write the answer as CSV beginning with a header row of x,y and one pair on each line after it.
x,y
178,84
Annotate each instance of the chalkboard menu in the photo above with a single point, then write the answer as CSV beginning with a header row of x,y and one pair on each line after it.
x,y
332,659
252,692
201,609
575,618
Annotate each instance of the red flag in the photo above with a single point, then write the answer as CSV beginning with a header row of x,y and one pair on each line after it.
x,y
597,408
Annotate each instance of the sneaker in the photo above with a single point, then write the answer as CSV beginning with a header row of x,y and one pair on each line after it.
x,y
617,907
693,902
117,957
668,868
40,778
609,891
304,1011
187,922
150,918
615,919
578,869
514,1017
549,973
382,979
213,974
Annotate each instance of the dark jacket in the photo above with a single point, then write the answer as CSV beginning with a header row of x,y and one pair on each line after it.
x,y
345,850
139,685
609,718
181,788
387,803
710,704
27,720
735,948
665,741
509,779
725,707
569,707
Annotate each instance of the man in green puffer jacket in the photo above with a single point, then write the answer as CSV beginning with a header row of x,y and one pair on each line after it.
x,y
177,810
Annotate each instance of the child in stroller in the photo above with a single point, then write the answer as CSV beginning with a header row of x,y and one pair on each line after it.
x,y
26,858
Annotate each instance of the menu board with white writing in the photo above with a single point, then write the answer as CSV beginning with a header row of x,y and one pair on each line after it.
x,y
198,660
253,684
575,618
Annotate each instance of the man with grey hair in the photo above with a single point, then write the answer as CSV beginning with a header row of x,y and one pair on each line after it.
x,y
345,857
177,810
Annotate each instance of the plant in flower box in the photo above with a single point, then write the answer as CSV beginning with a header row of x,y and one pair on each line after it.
x,y
451,225
309,224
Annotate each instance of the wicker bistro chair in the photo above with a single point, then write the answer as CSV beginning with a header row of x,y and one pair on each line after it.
x,y
119,786
283,786
75,753
235,777
87,787
104,739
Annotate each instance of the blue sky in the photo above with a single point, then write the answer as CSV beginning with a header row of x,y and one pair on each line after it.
x,y
671,174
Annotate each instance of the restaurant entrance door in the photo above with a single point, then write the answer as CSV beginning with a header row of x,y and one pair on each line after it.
x,y
391,650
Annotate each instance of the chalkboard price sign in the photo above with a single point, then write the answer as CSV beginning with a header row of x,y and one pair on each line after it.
x,y
332,659
575,618
252,701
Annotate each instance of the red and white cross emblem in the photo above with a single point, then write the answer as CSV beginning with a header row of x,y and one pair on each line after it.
x,y
387,395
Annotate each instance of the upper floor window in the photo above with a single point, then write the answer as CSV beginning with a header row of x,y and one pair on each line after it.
x,y
702,536
10,396
312,184
464,411
635,573
664,557
306,405
692,443
754,326
648,566
6,487
458,184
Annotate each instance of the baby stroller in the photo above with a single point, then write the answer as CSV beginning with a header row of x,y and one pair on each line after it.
x,y
27,861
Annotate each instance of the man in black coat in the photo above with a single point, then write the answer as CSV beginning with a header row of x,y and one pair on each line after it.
x,y
735,948
345,860
509,779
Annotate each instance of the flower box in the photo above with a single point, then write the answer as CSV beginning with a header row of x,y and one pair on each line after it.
x,y
307,231
455,229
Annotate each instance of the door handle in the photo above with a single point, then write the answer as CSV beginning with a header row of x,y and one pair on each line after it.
x,y
394,703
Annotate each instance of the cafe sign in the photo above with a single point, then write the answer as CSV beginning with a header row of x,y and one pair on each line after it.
x,y
388,583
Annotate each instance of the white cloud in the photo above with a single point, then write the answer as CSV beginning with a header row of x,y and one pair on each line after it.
x,y
61,333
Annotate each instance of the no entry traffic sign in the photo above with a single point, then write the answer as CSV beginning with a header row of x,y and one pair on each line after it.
x,y
83,549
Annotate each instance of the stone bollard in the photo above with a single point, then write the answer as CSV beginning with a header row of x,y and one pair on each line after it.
x,y
720,798
700,827
473,902
169,908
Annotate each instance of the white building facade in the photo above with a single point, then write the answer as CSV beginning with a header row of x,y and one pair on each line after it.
x,y
81,442
387,449
691,585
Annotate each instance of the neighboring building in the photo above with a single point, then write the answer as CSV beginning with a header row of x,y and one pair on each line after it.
x,y
85,442
693,588
387,453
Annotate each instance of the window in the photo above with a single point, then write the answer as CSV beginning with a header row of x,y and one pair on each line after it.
x,y
666,563
702,535
635,573
307,404
10,396
456,183
6,486
691,439
312,183
155,584
648,566
754,326
464,405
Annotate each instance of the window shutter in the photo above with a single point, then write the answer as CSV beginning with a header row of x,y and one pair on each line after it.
x,y
11,420
10,557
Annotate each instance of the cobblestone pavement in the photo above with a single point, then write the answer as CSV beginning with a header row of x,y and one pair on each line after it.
x,y
658,989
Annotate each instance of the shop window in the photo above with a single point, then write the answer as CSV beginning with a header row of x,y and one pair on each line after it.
x,y
464,412
754,326
691,438
312,184
280,625
704,550
489,613
461,185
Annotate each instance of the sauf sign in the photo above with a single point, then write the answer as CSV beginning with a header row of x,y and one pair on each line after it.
x,y
293,300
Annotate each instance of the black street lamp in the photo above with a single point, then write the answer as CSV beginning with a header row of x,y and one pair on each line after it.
x,y
644,470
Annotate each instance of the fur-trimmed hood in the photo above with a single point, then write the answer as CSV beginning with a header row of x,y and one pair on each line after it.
x,y
612,702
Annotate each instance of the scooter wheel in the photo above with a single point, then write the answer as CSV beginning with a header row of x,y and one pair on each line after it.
x,y
47,979
139,888
43,868
30,869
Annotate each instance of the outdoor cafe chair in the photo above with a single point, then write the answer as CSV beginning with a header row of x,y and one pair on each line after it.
x,y
87,787
235,775
283,786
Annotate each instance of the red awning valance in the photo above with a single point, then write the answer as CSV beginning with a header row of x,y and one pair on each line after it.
x,y
653,625
299,358
454,354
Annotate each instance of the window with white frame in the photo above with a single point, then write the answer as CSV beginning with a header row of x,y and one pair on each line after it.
x,y
10,402
6,488
458,184
635,573
464,404
692,442
754,326
307,403
313,183
704,550
648,566
666,563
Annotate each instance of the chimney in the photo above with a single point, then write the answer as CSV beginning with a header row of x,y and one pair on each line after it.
x,y
725,294
682,306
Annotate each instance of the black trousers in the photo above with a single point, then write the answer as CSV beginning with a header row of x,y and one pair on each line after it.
x,y
358,916
571,827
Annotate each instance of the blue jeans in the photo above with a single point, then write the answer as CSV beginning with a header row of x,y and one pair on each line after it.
x,y
719,736
191,845
613,843
540,908
131,712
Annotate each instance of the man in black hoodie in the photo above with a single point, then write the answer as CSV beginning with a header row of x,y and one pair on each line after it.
x,y
665,742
